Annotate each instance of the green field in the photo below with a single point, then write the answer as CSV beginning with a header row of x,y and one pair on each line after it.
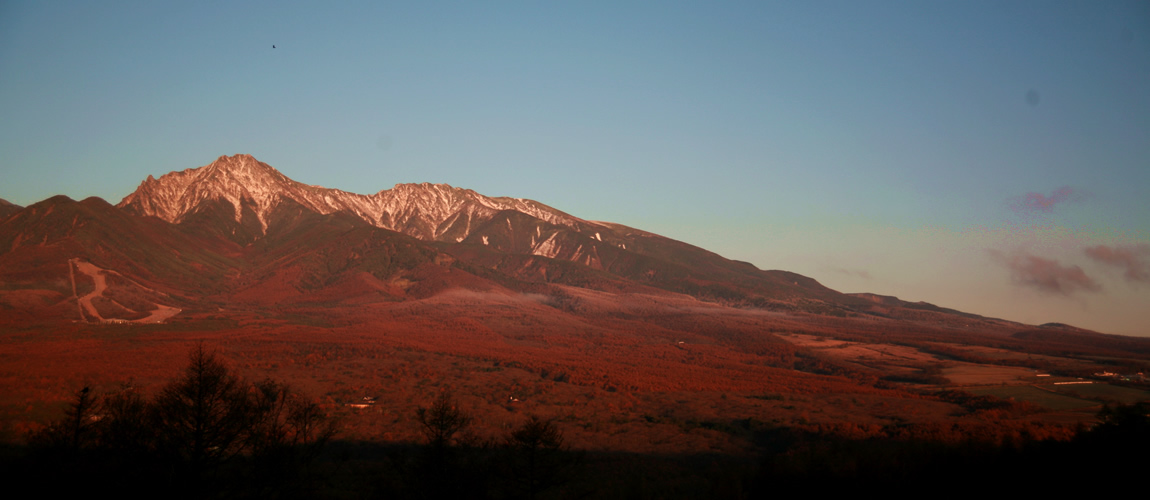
x,y
1034,395
1103,392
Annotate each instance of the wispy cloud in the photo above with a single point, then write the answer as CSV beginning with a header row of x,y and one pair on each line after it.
x,y
1134,260
1038,202
1045,274
858,273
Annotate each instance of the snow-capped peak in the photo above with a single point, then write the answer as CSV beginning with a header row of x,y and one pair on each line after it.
x,y
231,178
426,211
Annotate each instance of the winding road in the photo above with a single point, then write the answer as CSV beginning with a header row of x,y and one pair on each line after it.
x,y
158,315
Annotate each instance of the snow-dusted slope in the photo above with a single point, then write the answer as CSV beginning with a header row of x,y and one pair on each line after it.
x,y
427,211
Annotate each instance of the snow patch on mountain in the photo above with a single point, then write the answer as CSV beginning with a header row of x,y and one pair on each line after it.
x,y
547,248
425,211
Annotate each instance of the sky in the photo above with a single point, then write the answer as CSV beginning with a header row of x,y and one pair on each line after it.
x,y
992,157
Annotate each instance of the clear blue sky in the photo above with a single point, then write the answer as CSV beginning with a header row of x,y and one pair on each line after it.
x,y
962,153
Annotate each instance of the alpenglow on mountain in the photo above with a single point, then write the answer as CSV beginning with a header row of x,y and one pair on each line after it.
x,y
433,212
244,200
239,231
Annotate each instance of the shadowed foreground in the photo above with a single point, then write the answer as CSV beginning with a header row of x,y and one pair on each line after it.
x,y
209,434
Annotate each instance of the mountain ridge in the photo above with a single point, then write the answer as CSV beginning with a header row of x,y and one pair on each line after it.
x,y
7,208
252,192
206,234
433,212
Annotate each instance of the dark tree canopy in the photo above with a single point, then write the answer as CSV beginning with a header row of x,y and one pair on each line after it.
x,y
204,414
442,421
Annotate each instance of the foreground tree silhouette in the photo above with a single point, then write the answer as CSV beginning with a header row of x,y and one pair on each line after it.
x,y
127,427
203,417
206,433
444,470
284,426
442,421
1126,424
537,459
78,428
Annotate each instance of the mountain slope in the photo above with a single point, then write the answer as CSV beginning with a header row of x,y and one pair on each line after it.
x,y
253,189
239,231
37,242
7,208
246,201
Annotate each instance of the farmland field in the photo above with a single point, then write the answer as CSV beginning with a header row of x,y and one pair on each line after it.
x,y
1044,397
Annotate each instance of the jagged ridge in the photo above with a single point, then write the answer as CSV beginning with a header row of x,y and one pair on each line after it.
x,y
433,212
514,232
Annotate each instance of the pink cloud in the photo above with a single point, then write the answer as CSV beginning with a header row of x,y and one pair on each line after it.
x,y
1133,259
1038,202
1045,274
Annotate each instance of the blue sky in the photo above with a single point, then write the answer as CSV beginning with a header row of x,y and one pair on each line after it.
x,y
963,153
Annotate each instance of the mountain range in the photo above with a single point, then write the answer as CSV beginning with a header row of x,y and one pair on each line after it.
x,y
238,230
378,295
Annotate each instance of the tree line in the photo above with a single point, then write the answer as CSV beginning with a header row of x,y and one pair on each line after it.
x,y
207,433
203,429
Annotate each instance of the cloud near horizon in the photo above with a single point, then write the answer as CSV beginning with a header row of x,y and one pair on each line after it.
x,y
858,273
1046,275
1038,202
1134,260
